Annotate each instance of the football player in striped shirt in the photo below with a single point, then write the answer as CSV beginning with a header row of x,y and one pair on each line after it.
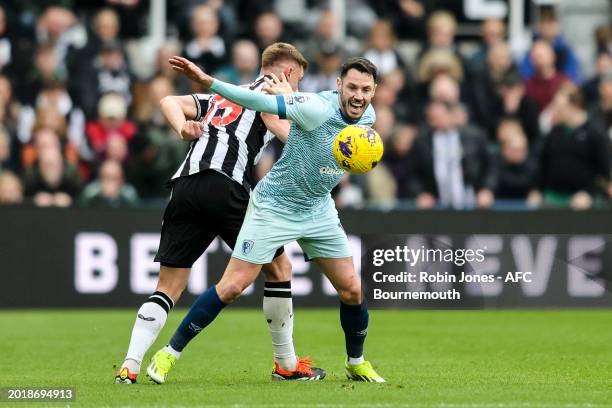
x,y
210,194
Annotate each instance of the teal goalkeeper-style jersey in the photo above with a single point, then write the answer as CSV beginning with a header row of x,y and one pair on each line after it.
x,y
305,174
302,179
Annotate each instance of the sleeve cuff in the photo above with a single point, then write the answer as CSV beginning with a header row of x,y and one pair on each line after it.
x,y
282,108
198,108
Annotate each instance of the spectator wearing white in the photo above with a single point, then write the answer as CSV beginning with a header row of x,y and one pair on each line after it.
x,y
452,163
57,28
381,48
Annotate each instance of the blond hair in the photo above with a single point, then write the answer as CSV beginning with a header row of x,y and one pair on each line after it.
x,y
282,51
441,17
437,61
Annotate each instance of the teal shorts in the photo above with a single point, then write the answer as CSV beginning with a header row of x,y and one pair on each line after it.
x,y
265,229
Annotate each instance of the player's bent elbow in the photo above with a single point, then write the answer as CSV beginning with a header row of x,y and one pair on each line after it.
x,y
166,100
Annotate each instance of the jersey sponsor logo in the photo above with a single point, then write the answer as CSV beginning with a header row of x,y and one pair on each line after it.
x,y
330,171
146,319
300,98
247,246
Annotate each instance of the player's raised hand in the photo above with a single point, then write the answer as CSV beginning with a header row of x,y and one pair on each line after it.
x,y
190,70
277,86
192,129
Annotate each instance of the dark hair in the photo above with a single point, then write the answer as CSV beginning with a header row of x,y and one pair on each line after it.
x,y
573,93
360,64
548,13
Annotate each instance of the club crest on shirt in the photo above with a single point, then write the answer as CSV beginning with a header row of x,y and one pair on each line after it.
x,y
247,246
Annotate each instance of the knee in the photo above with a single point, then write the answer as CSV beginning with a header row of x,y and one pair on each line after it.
x,y
229,292
351,295
279,270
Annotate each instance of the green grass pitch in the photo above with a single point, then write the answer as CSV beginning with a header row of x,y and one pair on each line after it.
x,y
441,359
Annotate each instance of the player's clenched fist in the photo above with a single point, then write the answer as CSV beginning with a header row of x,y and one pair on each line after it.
x,y
190,70
192,130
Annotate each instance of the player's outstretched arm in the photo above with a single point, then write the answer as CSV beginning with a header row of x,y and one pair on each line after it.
x,y
244,97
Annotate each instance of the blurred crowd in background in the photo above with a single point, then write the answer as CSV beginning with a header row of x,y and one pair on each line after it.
x,y
80,122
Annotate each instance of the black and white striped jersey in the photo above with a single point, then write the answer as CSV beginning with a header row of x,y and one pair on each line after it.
x,y
232,141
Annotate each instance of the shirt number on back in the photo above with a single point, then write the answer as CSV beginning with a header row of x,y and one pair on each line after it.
x,y
225,112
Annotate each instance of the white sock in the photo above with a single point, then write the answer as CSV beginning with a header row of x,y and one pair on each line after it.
x,y
150,320
168,349
279,315
355,360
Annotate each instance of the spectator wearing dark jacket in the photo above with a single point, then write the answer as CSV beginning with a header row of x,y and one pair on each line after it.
x,y
206,48
52,182
575,158
400,160
603,66
484,94
514,103
110,189
108,73
601,112
513,174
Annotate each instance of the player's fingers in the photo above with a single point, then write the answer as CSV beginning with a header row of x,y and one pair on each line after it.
x,y
274,78
192,128
181,59
175,63
174,60
283,78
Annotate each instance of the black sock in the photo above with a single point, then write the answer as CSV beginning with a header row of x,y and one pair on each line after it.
x,y
354,321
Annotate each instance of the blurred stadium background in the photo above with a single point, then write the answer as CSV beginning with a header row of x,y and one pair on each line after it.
x,y
496,117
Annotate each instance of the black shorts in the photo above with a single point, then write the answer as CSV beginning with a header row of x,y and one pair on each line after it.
x,y
202,206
